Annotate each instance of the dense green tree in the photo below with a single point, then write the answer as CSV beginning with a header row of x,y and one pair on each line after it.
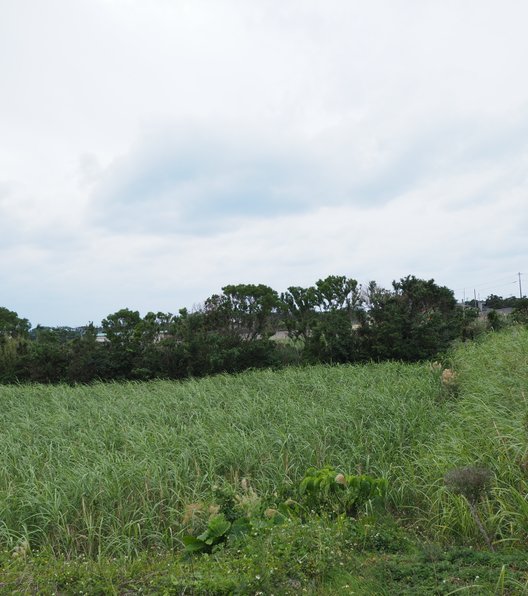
x,y
123,333
47,358
235,327
333,337
299,307
338,293
87,358
154,327
414,321
495,320
494,301
14,332
122,327
334,321
11,325
323,317
10,360
244,310
520,311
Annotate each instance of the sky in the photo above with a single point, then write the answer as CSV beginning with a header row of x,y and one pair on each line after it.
x,y
153,152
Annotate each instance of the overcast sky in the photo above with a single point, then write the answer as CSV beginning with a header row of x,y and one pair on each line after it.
x,y
153,151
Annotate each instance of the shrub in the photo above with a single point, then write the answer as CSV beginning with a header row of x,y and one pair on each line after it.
x,y
325,490
472,483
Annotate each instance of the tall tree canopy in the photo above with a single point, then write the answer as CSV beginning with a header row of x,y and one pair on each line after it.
x,y
11,325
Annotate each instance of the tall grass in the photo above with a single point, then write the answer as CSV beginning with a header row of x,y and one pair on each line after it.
x,y
486,426
109,468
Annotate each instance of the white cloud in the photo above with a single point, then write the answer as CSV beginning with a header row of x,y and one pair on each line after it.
x,y
153,152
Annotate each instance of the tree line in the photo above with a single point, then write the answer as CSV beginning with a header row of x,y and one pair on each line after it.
x,y
245,326
494,301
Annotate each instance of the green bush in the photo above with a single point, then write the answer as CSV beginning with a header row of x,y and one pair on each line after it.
x,y
326,490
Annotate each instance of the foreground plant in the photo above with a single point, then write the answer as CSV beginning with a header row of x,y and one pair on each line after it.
x,y
472,483
321,491
327,490
215,534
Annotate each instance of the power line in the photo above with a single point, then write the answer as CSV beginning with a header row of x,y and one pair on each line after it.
x,y
512,283
489,283
493,282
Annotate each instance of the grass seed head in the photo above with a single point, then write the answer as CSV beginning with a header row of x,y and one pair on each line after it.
x,y
21,550
449,377
190,512
214,509
471,481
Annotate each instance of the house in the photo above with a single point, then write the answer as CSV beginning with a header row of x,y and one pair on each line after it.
x,y
101,338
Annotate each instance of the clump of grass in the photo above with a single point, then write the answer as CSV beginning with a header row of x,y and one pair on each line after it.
x,y
472,483
484,424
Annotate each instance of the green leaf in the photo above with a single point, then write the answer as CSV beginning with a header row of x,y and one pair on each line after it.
x,y
303,487
240,526
278,519
287,511
218,526
193,545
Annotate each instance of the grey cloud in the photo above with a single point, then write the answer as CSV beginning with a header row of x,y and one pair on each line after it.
x,y
445,149
26,222
192,182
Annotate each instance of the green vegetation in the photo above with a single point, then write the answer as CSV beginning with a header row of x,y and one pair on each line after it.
x,y
334,321
325,490
100,484
110,468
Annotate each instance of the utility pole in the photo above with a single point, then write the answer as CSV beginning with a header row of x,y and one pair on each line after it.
x,y
520,287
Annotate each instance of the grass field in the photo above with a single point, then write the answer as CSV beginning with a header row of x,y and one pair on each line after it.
x,y
90,474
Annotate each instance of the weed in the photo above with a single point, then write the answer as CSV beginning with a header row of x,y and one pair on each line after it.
x,y
214,535
325,490
472,483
